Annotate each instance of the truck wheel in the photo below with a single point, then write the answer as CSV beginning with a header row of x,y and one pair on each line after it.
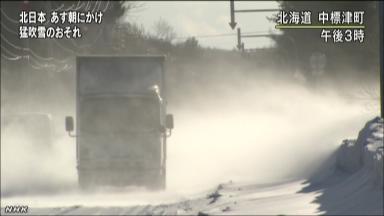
x,y
84,181
158,183
162,182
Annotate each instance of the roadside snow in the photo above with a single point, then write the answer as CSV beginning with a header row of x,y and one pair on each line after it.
x,y
350,183
365,153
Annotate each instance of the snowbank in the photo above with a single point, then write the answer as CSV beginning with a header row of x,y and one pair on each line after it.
x,y
366,152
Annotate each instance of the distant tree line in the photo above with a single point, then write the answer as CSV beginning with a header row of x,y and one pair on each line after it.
x,y
44,69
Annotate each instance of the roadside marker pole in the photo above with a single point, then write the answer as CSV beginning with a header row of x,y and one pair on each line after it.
x,y
381,8
233,23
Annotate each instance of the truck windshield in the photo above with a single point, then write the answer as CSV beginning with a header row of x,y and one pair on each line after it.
x,y
122,114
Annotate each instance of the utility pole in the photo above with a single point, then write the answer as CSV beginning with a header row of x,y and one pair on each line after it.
x,y
381,9
256,10
240,45
233,23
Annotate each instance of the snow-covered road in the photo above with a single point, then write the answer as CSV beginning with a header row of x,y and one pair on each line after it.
x,y
333,189
339,193
244,153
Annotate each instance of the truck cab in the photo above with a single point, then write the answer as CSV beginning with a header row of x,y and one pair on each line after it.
x,y
122,125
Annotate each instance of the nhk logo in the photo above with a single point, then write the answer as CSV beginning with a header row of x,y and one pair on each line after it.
x,y
16,209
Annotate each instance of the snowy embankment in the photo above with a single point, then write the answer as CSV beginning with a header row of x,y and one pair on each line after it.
x,y
350,182
365,153
355,185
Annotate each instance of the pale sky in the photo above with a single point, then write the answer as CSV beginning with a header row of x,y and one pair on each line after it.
x,y
197,18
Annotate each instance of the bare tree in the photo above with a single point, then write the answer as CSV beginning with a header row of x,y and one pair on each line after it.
x,y
164,31
130,9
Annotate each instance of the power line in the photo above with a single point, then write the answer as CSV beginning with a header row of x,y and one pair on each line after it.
x,y
11,58
39,64
58,8
8,29
9,18
70,7
66,9
257,10
257,36
11,44
34,54
208,36
220,35
28,57
57,43
94,5
31,61
8,51
79,6
98,7
87,6
106,7
34,59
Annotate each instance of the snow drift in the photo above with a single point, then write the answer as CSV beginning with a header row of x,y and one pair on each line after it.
x,y
351,181
364,153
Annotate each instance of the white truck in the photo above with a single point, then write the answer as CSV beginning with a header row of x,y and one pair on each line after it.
x,y
122,124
